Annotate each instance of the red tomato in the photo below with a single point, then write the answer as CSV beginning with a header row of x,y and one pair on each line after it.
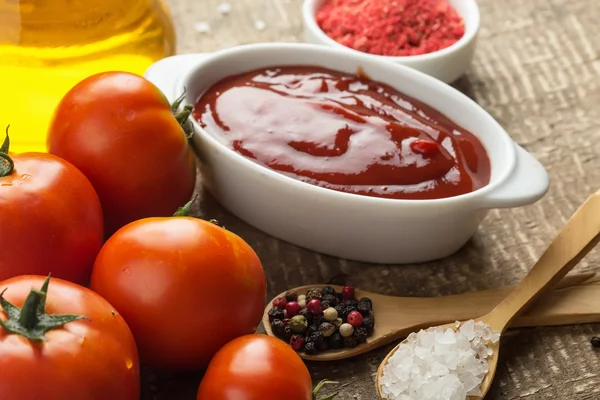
x,y
256,367
50,218
120,131
86,359
185,287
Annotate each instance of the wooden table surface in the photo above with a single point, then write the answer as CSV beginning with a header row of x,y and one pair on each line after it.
x,y
537,71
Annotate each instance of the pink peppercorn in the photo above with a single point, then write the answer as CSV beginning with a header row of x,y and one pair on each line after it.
x,y
391,27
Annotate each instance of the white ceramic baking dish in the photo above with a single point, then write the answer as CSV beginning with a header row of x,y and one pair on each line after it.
x,y
345,225
447,64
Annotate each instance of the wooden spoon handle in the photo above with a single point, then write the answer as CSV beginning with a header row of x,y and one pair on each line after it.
x,y
575,240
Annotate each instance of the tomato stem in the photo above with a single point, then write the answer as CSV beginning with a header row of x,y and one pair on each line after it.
x,y
31,321
177,103
185,210
7,165
320,386
182,116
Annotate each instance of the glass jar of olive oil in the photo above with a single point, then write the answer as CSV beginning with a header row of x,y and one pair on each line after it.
x,y
48,46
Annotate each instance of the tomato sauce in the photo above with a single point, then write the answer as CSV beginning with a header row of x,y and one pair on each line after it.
x,y
343,132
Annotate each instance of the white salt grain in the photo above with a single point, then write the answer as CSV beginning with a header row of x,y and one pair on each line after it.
x,y
260,25
439,363
224,8
202,27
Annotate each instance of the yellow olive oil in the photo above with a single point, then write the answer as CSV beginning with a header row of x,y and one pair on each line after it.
x,y
48,46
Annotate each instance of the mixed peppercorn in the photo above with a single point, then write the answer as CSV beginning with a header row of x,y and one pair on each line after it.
x,y
322,319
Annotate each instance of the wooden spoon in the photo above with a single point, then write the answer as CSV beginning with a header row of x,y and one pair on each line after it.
x,y
575,301
575,240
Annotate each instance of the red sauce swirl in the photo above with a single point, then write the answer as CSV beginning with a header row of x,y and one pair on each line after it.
x,y
343,132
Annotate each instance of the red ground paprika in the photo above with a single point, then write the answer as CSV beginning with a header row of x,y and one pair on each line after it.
x,y
391,27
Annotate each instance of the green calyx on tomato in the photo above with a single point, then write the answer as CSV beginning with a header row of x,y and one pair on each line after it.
x,y
7,164
183,115
185,210
31,321
318,388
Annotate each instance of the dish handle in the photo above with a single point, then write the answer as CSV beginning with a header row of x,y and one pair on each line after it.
x,y
167,72
527,183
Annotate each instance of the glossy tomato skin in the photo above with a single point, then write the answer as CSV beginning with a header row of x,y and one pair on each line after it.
x,y
50,219
83,360
256,367
185,286
119,130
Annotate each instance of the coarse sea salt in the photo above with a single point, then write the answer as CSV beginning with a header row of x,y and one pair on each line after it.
x,y
439,363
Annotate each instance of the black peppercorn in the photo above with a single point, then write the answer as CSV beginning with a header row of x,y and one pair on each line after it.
x,y
314,294
360,334
340,310
335,341
278,327
364,309
310,348
331,299
339,298
324,346
307,314
366,300
287,333
369,325
351,303
276,313
350,342
595,342
328,290
291,295
318,320
316,337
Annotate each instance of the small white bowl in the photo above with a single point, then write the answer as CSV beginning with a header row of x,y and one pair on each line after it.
x,y
447,64
345,225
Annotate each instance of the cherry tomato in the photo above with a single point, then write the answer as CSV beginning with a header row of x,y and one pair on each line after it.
x,y
185,286
256,367
50,217
120,131
85,359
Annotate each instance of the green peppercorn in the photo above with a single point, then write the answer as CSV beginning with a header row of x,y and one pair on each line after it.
x,y
315,293
360,334
338,322
291,295
350,342
327,329
335,341
298,324
277,326
310,348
